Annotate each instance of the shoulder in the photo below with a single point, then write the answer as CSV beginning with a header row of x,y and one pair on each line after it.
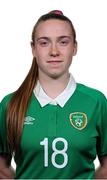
x,y
4,102
3,108
90,92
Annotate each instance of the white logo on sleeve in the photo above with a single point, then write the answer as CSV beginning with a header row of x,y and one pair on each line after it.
x,y
29,120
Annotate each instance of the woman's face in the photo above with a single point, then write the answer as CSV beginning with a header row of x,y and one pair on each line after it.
x,y
54,47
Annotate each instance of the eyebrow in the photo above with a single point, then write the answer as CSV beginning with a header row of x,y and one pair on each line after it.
x,y
59,37
43,37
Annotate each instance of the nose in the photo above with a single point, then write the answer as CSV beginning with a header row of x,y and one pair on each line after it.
x,y
54,50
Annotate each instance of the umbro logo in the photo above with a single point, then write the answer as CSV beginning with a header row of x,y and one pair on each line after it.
x,y
29,120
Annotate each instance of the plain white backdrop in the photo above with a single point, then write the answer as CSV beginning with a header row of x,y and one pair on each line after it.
x,y
17,18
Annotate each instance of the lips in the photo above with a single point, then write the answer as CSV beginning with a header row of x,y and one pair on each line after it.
x,y
54,61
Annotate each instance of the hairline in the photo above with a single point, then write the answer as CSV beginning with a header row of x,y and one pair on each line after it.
x,y
47,17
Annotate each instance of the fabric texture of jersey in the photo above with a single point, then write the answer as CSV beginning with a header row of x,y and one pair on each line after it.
x,y
60,143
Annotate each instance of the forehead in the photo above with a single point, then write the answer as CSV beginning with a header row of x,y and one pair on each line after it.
x,y
53,28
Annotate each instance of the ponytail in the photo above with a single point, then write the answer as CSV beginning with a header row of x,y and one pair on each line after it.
x,y
18,105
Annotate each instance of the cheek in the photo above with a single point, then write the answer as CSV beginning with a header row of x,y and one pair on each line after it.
x,y
41,54
40,59
67,52
68,56
68,59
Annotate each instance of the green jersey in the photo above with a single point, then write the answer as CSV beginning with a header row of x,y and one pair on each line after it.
x,y
60,143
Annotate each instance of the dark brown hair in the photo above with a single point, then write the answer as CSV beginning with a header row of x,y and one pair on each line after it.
x,y
18,104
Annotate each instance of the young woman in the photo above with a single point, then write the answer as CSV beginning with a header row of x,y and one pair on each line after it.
x,y
53,126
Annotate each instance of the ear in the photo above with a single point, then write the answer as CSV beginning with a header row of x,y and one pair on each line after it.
x,y
33,48
75,49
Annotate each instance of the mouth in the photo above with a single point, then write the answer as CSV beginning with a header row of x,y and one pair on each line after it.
x,y
54,61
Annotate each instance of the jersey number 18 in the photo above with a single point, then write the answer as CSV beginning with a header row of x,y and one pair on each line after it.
x,y
55,152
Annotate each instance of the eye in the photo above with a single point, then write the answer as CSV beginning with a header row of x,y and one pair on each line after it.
x,y
64,42
43,43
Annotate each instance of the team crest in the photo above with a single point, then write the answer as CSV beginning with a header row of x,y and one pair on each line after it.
x,y
78,120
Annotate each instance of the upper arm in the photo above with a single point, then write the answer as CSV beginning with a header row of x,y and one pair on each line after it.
x,y
101,172
4,145
102,128
2,162
5,161
6,171
103,161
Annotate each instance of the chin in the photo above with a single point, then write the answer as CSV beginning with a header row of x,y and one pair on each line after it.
x,y
55,75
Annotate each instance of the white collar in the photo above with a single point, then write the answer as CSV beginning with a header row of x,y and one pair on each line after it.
x,y
61,99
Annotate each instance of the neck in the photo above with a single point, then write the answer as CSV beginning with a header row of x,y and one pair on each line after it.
x,y
54,86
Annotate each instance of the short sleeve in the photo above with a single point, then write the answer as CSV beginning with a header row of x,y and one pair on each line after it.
x,y
4,147
102,126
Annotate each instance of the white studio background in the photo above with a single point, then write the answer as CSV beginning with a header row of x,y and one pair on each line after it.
x,y
17,18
